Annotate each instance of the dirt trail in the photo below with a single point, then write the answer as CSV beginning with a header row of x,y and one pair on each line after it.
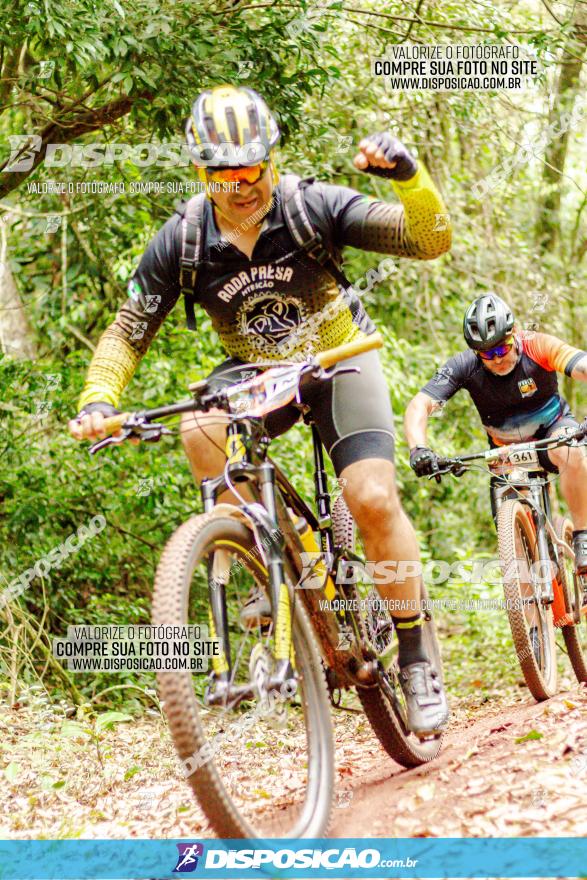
x,y
509,767
516,770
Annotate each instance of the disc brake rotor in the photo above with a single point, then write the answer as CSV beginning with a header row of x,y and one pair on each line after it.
x,y
272,706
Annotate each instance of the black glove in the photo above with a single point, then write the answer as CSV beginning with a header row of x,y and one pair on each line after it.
x,y
105,408
394,151
423,461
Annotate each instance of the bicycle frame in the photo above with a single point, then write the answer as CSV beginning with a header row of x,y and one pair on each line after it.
x,y
269,519
533,492
248,462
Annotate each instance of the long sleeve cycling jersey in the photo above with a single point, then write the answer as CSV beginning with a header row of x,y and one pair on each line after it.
x,y
516,406
280,300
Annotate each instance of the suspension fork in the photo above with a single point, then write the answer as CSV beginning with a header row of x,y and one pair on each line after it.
x,y
539,518
280,598
217,608
265,517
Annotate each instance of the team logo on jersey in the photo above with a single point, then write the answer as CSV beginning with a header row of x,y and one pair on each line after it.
x,y
270,318
527,387
443,375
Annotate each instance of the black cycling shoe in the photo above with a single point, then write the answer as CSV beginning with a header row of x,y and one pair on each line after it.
x,y
425,699
256,610
580,548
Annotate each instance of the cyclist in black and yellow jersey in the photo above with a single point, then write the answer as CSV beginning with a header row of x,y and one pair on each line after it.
x,y
262,256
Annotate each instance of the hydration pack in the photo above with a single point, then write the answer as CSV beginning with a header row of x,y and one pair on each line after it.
x,y
307,238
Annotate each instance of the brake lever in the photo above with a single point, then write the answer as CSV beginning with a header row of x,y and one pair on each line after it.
x,y
110,441
149,433
323,373
435,472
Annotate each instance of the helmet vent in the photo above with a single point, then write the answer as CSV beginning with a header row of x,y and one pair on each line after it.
x,y
232,126
254,121
211,128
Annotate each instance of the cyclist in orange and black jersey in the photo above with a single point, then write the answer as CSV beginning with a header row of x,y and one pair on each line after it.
x,y
512,379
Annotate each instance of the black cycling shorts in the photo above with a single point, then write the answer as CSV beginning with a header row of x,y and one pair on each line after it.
x,y
352,411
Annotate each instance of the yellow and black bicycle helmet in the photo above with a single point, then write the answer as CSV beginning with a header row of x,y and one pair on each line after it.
x,y
230,115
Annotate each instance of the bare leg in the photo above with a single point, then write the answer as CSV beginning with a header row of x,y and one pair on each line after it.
x,y
572,465
387,533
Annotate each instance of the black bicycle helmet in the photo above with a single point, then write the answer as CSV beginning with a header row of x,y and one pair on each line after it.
x,y
488,321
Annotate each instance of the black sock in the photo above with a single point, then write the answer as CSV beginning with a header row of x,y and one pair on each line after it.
x,y
409,636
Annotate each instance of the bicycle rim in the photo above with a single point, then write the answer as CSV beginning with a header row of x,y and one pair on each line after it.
x,y
265,767
575,635
531,622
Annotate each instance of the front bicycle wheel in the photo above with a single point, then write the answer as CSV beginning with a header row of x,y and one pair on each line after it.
x,y
384,703
574,634
531,621
264,767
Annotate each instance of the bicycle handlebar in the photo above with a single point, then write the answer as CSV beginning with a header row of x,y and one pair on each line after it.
x,y
459,464
350,349
113,424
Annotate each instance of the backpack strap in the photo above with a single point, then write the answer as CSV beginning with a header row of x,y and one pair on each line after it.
x,y
191,254
303,231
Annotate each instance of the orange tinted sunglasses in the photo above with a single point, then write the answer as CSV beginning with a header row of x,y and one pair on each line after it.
x,y
247,174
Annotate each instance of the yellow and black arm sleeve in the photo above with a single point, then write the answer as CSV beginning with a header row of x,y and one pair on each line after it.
x,y
418,226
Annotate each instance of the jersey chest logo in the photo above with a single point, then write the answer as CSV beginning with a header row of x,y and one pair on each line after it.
x,y
527,387
267,316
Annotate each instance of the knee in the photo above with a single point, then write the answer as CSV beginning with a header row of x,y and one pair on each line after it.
x,y
373,501
203,436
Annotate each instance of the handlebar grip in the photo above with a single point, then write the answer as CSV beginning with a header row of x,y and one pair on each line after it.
x,y
342,352
114,423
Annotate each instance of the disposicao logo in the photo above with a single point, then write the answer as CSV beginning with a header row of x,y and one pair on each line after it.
x,y
187,860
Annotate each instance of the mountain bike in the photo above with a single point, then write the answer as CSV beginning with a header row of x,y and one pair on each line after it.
x,y
542,589
256,742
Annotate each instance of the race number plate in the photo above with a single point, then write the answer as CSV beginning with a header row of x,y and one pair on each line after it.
x,y
523,457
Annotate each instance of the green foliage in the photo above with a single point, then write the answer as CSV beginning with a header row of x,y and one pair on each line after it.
x,y
158,55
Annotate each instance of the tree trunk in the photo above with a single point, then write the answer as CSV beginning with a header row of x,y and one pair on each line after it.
x,y
566,90
16,337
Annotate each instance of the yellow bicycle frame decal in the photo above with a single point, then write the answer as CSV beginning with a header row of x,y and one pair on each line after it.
x,y
283,643
219,663
235,448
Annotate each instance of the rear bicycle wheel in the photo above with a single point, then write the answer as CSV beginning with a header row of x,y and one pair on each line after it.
x,y
575,635
531,621
384,703
264,768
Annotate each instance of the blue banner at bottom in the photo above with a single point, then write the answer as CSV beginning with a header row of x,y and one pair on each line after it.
x,y
336,858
